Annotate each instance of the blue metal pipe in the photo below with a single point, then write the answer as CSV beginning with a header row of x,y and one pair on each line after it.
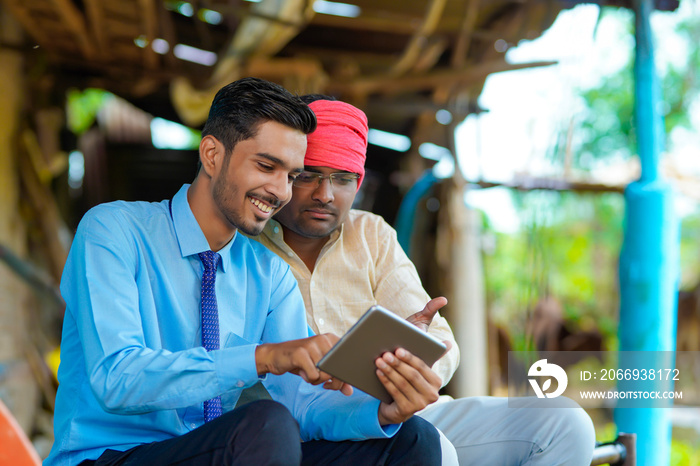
x,y
405,218
649,260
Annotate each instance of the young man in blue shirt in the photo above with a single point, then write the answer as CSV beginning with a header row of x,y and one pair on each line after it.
x,y
147,377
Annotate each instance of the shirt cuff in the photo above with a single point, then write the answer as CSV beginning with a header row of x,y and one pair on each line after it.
x,y
368,425
235,367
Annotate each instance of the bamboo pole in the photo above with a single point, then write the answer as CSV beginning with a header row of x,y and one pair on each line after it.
x,y
19,390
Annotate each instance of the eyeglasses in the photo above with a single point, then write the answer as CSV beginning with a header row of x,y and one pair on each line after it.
x,y
341,181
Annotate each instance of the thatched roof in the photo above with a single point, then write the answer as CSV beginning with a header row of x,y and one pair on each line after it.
x,y
397,59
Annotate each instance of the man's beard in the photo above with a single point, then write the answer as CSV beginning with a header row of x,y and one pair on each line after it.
x,y
224,195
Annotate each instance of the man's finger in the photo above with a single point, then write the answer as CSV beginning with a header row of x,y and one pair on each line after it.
x,y
383,374
404,377
448,344
433,306
310,373
334,384
422,319
347,389
322,344
426,379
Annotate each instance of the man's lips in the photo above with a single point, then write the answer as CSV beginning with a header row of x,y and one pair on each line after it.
x,y
320,213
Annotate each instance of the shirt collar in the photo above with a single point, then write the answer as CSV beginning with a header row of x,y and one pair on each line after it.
x,y
188,232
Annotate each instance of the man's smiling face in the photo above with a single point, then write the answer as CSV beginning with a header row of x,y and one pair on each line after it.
x,y
256,177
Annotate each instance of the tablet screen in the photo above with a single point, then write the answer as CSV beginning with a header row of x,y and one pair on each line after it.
x,y
376,332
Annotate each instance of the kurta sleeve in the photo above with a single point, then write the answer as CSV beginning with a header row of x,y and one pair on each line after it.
x,y
398,288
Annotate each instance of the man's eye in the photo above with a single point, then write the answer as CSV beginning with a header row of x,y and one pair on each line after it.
x,y
344,180
265,166
305,178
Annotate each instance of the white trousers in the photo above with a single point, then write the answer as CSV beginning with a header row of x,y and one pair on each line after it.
x,y
485,431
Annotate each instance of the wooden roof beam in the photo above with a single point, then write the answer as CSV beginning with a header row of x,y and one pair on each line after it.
x,y
98,27
21,11
402,25
76,23
417,44
169,33
332,55
463,42
524,183
461,77
150,26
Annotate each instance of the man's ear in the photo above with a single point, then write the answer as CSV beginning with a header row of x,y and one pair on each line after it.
x,y
210,154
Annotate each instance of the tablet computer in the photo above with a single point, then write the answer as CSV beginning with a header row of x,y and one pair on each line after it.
x,y
379,330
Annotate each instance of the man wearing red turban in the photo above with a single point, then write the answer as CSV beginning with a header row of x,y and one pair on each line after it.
x,y
340,139
346,260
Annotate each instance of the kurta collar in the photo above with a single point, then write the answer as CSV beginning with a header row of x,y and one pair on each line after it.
x,y
273,230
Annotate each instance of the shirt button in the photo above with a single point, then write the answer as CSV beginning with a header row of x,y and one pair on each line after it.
x,y
193,425
290,253
276,229
240,383
321,321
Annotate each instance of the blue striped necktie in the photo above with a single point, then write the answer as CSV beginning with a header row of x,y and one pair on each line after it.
x,y
210,322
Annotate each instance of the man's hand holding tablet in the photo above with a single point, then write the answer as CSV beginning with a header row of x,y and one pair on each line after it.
x,y
388,358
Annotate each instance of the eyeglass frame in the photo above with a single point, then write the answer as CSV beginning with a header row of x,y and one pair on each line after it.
x,y
320,177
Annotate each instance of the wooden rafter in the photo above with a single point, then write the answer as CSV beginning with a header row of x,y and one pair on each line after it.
x,y
551,184
98,27
417,43
403,24
363,58
263,33
400,25
76,22
459,55
432,52
463,77
21,11
150,26
169,34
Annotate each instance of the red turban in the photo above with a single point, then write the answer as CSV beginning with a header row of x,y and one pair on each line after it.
x,y
340,139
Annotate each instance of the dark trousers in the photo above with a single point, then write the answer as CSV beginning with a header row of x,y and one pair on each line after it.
x,y
265,433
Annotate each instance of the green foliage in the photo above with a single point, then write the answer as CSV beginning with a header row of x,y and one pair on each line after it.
x,y
568,248
684,452
569,244
606,433
82,108
607,127
690,265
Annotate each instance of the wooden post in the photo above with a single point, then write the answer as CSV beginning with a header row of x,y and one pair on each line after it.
x,y
467,301
18,388
630,443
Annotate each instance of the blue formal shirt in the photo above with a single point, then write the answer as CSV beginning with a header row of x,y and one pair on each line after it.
x,y
133,370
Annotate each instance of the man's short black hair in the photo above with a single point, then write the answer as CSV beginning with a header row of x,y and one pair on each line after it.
x,y
239,108
308,98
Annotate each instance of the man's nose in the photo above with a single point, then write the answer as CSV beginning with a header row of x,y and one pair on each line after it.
x,y
324,191
280,187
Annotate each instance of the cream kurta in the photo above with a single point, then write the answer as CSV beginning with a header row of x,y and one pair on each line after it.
x,y
361,265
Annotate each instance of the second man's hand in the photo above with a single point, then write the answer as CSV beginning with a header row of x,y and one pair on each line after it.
x,y
422,319
300,357
409,381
